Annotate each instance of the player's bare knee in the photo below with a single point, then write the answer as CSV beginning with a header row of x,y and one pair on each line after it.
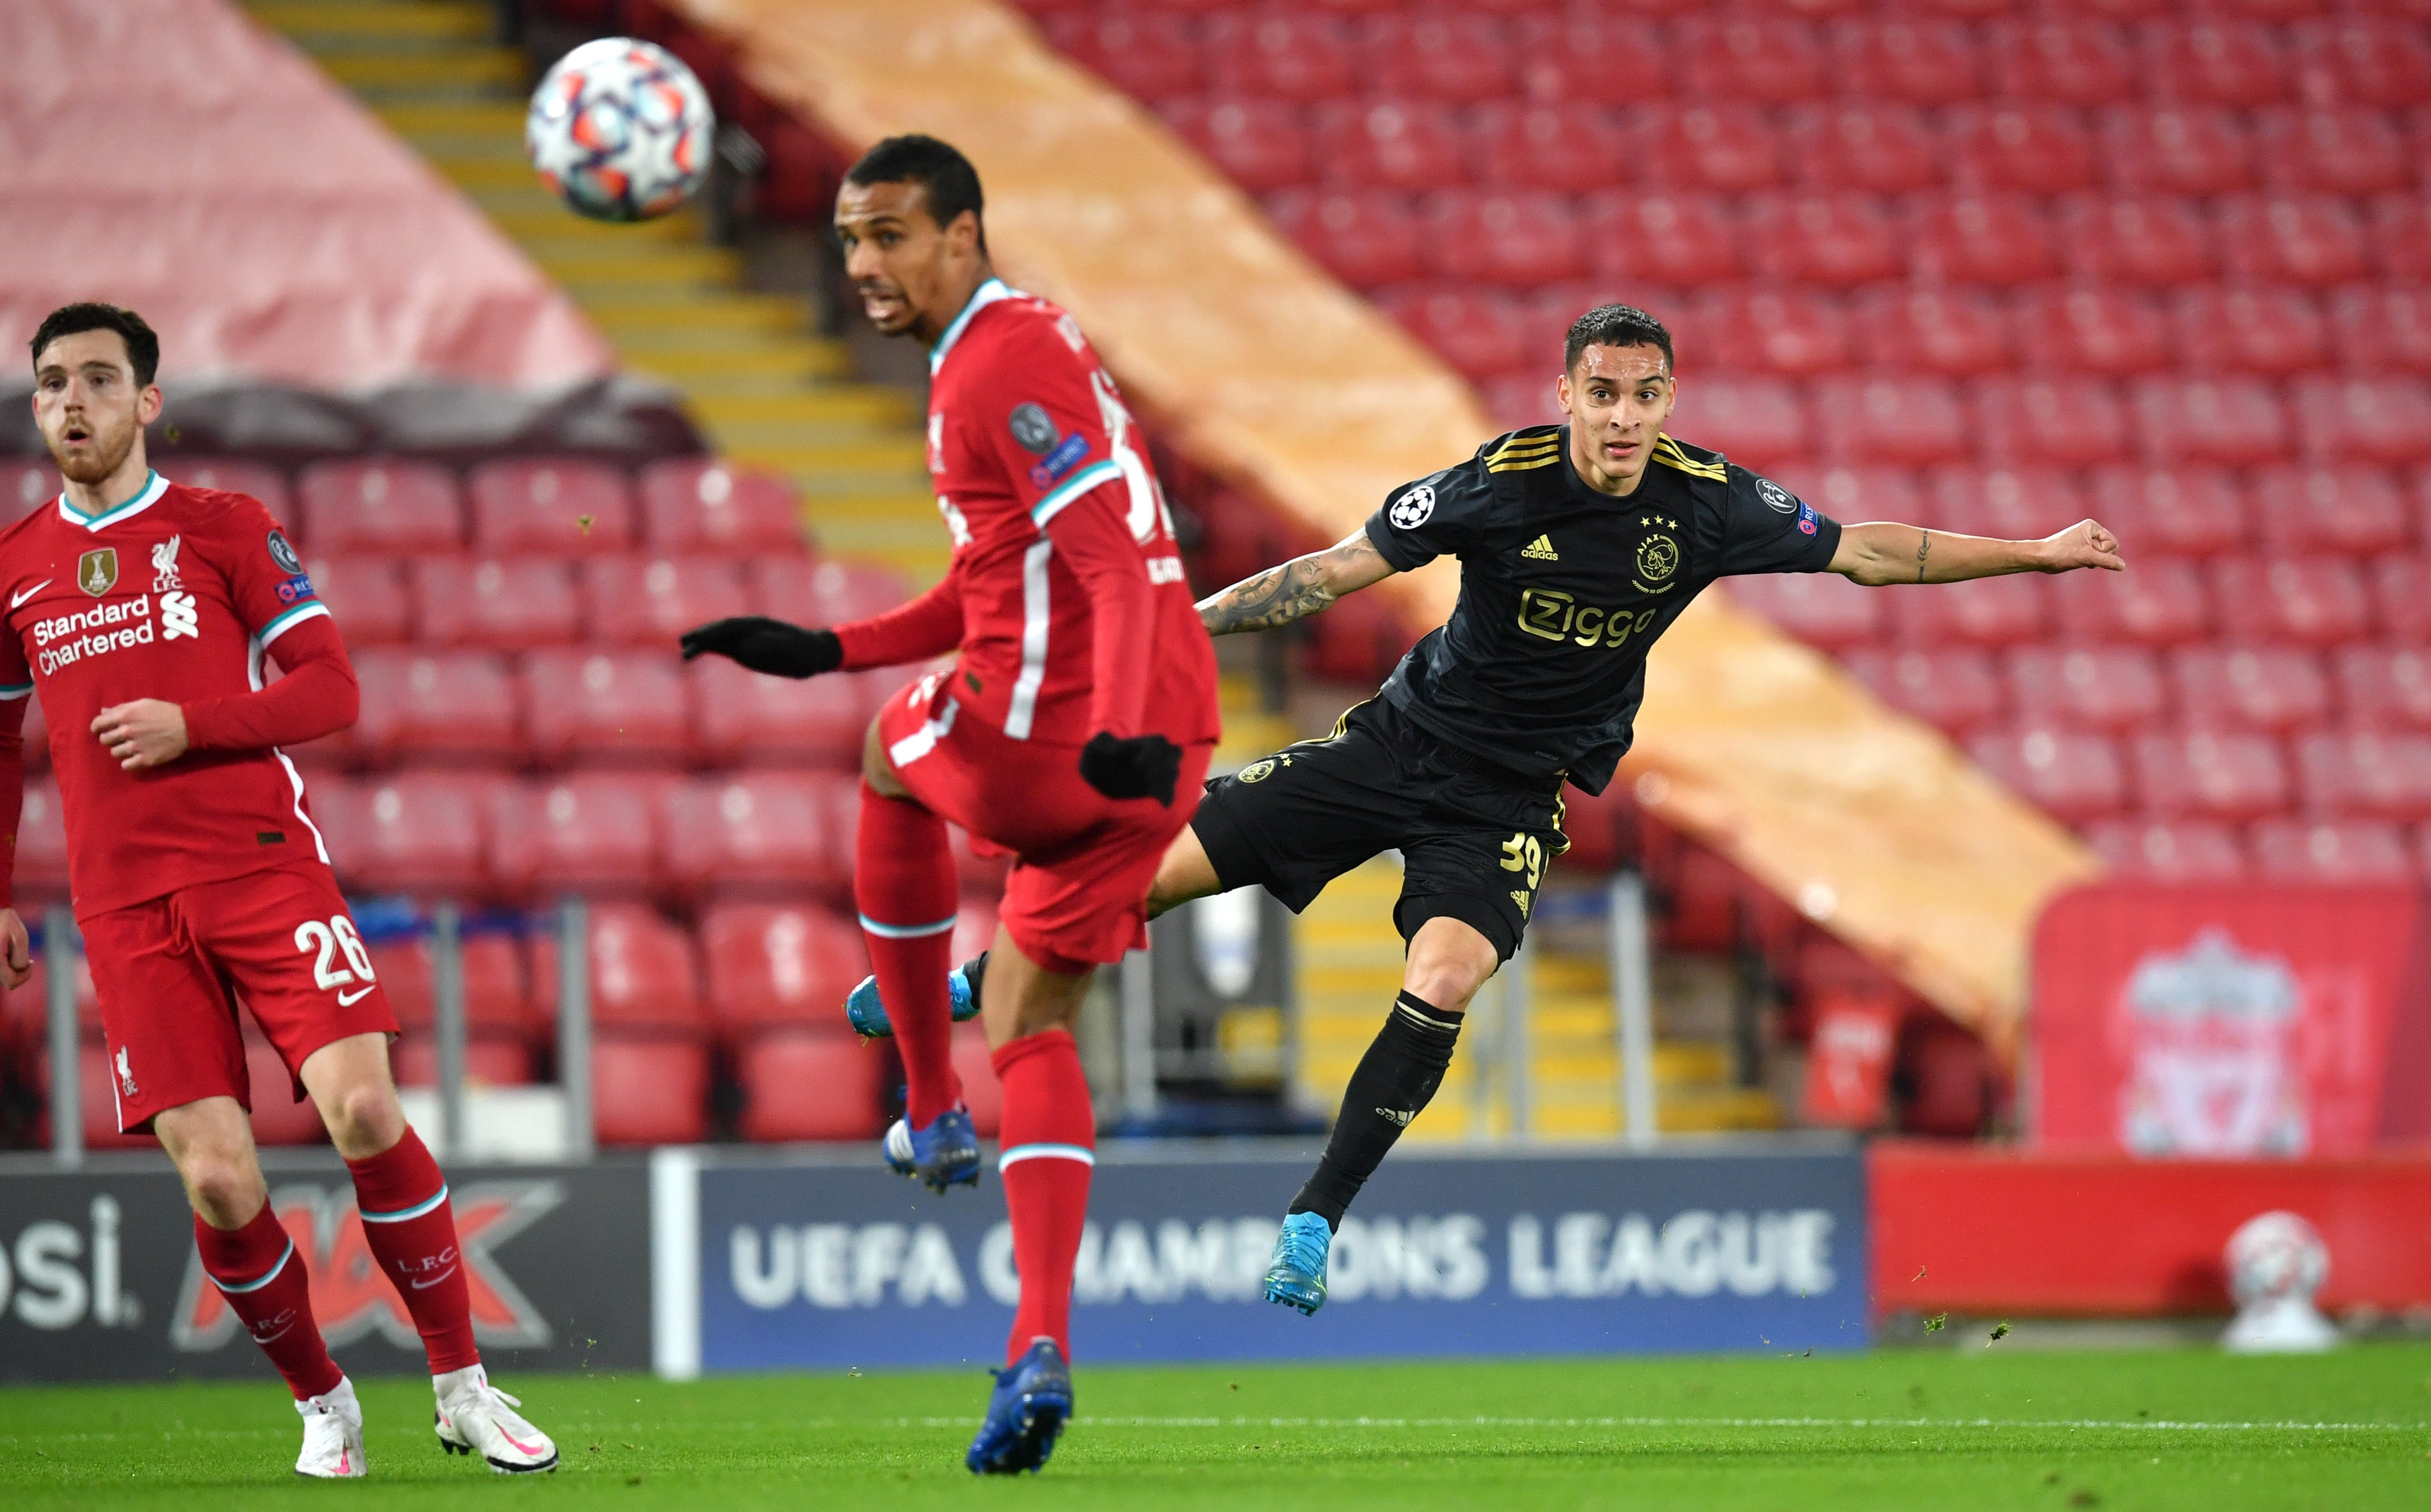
x,y
1449,961
364,1119
225,1189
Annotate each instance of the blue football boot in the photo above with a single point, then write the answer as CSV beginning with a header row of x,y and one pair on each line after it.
x,y
945,1154
1296,1276
867,1014
1026,1414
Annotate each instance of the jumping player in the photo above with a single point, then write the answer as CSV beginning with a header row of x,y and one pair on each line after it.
x,y
142,611
1066,603
1579,544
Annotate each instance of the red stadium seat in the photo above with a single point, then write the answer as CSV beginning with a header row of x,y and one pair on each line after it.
x,y
1576,148
498,991
1821,608
2313,240
1839,241
591,832
799,1085
746,720
754,832
1987,238
1476,330
644,975
1958,691
2271,690
1659,238
2115,689
1584,54
2066,420
606,709
2184,851
1523,239
1756,422
35,736
2188,511
1861,493
2384,688
2175,149
650,1088
1924,61
2382,330
1515,400
2092,329
490,1060
1794,331
781,965
414,833
2366,775
235,475
2152,243
1260,145
2073,778
25,486
389,508
823,592
2386,420
695,504
1887,150
1988,612
2266,330
2355,851
1411,144
1367,240
2217,777
456,705
42,841
2400,231
653,600
2155,603
559,506
1277,55
1146,57
2335,151
504,604
1960,332
367,597
1908,421
1460,59
1748,57
2352,511
2314,601
2368,60
2218,62
2078,63
2028,149
2009,503
1728,149
2236,421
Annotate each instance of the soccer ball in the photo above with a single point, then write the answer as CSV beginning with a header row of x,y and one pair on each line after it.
x,y
620,129
2274,1257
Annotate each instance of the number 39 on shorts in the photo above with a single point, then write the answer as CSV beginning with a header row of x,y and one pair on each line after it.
x,y
330,940
1523,852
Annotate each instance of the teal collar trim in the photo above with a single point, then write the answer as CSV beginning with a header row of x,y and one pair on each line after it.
x,y
154,486
984,295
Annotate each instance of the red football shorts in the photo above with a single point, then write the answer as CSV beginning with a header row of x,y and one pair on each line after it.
x,y
169,973
1077,896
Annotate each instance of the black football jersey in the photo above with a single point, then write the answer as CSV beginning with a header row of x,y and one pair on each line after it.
x,y
1563,590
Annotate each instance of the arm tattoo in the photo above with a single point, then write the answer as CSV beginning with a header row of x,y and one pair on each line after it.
x,y
1278,595
1923,545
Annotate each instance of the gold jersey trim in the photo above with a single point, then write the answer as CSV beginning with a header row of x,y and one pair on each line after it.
x,y
1668,452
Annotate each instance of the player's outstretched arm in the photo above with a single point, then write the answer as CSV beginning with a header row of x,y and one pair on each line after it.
x,y
1880,552
1300,587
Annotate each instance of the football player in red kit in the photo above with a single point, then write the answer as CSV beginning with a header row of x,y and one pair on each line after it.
x,y
1073,730
142,611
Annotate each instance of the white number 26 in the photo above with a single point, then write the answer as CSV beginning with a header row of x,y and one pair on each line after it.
x,y
330,940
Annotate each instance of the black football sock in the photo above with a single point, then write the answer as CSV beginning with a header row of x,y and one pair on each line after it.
x,y
1395,1079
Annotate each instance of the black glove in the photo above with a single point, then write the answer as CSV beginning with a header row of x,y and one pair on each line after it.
x,y
765,645
1142,767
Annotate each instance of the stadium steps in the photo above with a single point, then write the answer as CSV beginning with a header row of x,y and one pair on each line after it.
x,y
764,387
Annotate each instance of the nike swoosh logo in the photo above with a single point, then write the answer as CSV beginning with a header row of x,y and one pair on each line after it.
x,y
425,1285
347,1000
15,599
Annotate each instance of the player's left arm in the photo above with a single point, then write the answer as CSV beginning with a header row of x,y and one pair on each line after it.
x,y
1880,551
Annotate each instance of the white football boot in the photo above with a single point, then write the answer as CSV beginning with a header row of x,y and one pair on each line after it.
x,y
333,1433
476,1418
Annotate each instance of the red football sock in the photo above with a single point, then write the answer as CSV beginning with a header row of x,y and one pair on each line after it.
x,y
1050,1141
903,882
258,1270
412,1229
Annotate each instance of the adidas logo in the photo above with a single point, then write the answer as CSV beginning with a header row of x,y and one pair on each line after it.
x,y
1394,1116
1522,899
1541,549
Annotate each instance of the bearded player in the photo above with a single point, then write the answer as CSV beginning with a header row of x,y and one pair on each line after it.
x,y
142,611
1067,605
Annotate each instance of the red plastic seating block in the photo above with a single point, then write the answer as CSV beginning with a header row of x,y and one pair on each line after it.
x,y
2185,850
2008,503
747,719
1276,55
2382,330
1582,54
1910,421
645,974
590,831
2073,778
1576,148
1263,145
2116,689
650,1088
1755,422
2351,511
2386,420
490,1060
1389,143
2368,60
772,965
1959,332
607,707
498,998
2091,329
1516,400
1749,57
2271,690
2067,420
2266,330
1988,612
452,705
1820,608
695,504
2218,777
2353,851
2029,150
823,592
2190,512
799,1085
414,833
2079,62
366,596
1365,239
1477,331
2332,151
504,604
1793,331
1921,61
1460,59
1146,57
1885,149
653,600
2313,240
1860,492
1523,239
2316,602
2217,61
2156,603
2150,241
2399,227
1987,238
25,487
1660,237
42,840
234,475
2366,774
384,507
754,831
2383,687
1958,691
2236,421
561,507
1839,241
2175,149
1728,148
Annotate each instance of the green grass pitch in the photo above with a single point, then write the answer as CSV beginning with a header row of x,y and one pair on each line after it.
x,y
1971,1428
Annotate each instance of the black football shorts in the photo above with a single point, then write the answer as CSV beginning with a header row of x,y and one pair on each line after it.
x,y
1474,841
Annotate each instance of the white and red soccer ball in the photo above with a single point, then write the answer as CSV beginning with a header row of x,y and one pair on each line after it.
x,y
621,129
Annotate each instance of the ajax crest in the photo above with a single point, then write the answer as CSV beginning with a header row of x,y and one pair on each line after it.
x,y
97,571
